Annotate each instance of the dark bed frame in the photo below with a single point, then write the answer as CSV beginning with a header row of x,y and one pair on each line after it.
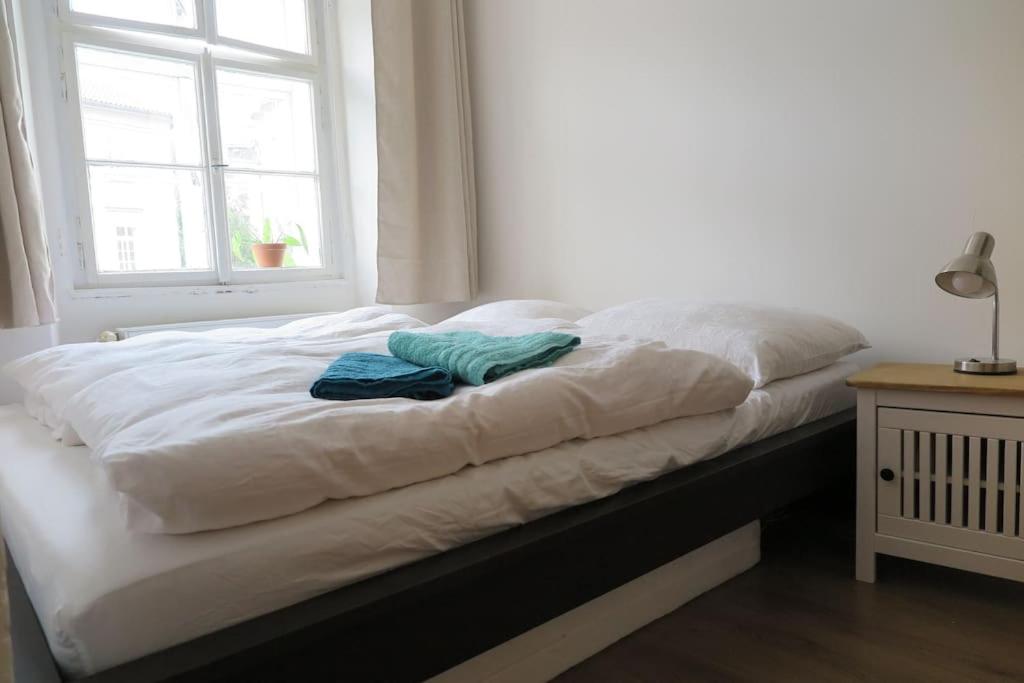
x,y
419,620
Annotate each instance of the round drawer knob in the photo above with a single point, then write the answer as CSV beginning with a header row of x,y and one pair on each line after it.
x,y
887,474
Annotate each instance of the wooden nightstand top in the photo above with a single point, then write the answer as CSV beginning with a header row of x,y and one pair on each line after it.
x,y
928,377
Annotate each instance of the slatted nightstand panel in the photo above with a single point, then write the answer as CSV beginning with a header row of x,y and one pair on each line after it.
x,y
952,479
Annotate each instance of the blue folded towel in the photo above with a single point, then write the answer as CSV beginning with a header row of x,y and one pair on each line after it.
x,y
370,375
476,358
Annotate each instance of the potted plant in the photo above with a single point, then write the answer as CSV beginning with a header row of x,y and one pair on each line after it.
x,y
270,249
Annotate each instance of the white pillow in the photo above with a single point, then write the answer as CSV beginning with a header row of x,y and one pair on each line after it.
x,y
766,342
522,309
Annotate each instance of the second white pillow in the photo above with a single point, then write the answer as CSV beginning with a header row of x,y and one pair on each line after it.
x,y
766,342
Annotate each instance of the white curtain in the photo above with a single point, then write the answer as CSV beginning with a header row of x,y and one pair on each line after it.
x,y
26,282
426,242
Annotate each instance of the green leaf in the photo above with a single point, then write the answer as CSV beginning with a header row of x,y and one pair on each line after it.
x,y
302,238
290,241
268,233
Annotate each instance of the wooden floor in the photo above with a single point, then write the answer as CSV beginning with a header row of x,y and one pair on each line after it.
x,y
800,616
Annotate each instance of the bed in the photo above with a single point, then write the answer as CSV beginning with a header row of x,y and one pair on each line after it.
x,y
335,591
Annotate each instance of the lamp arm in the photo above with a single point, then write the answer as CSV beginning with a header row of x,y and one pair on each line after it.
x,y
995,325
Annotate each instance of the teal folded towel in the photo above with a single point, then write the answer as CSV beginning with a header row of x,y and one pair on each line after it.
x,y
476,358
371,375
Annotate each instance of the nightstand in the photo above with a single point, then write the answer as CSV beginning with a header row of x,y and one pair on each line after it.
x,y
939,465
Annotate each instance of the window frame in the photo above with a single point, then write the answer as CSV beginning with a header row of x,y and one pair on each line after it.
x,y
206,52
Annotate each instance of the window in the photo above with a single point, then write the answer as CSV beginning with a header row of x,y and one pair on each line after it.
x,y
199,130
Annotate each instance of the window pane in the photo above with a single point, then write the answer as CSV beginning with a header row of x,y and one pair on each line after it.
x,y
148,219
266,122
137,108
273,208
170,12
278,23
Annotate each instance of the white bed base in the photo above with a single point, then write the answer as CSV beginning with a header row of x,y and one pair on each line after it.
x,y
542,653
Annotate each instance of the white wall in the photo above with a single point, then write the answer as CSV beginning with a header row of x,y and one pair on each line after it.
x,y
827,154
358,104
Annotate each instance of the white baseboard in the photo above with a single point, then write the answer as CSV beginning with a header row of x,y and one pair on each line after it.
x,y
542,653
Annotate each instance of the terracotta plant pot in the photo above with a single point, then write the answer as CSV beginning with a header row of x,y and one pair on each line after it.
x,y
269,255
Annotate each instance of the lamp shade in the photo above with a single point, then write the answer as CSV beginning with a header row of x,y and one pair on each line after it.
x,y
971,275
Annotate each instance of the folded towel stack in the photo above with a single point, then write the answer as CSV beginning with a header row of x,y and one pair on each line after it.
x,y
369,375
476,358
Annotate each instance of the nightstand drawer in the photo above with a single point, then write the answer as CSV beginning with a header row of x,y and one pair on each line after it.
x,y
951,479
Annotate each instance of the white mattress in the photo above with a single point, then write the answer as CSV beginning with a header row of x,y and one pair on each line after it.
x,y
105,596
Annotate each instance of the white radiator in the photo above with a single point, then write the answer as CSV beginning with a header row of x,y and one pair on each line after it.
x,y
201,325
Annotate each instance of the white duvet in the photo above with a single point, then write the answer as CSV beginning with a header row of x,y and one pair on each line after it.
x,y
210,430
52,377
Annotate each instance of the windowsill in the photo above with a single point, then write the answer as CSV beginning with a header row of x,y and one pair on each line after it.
x,y
204,290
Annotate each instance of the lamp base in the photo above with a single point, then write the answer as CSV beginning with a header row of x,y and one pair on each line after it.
x,y
985,366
